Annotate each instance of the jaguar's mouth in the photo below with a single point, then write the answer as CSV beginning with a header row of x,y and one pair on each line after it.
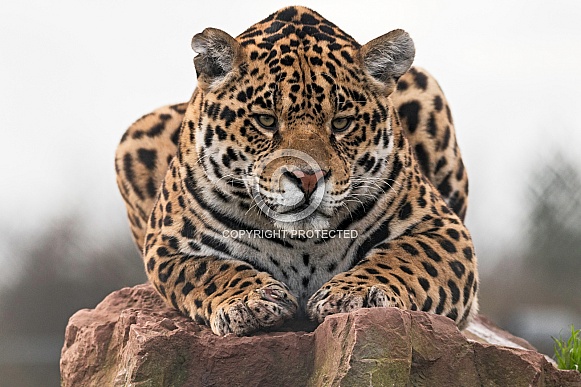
x,y
302,206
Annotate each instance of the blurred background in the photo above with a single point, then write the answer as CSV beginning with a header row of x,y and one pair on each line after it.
x,y
75,74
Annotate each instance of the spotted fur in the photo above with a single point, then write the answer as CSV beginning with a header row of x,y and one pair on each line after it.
x,y
393,175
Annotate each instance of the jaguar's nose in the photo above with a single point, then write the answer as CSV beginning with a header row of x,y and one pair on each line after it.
x,y
307,181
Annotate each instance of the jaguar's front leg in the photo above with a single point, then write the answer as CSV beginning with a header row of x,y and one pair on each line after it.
x,y
229,295
427,272
364,286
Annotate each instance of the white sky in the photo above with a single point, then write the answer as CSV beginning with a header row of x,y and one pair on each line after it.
x,y
75,74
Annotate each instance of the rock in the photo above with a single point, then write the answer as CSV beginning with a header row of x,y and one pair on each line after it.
x,y
133,339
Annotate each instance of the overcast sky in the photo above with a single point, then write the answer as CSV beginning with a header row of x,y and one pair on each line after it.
x,y
75,74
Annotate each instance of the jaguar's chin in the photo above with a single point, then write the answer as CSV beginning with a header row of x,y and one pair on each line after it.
x,y
312,223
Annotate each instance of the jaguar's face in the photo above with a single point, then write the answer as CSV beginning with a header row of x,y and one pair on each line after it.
x,y
301,126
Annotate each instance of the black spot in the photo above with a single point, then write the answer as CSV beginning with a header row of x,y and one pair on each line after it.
x,y
440,164
460,171
443,296
468,286
188,229
431,270
432,126
308,19
331,68
444,187
364,159
151,264
449,114
287,61
410,249
287,14
430,252
174,301
316,61
201,270
162,251
210,289
453,314
161,289
422,202
458,268
275,26
240,268
421,80
130,174
163,277
181,277
423,158
151,188
156,130
347,56
306,258
406,270
208,136
147,157
228,116
222,135
438,104
402,85
427,305
245,284
226,160
329,31
453,234
446,139
410,113
467,253
405,211
424,283
454,291
188,287
241,96
438,222
381,279
447,245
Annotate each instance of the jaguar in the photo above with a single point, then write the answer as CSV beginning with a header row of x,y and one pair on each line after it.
x,y
308,175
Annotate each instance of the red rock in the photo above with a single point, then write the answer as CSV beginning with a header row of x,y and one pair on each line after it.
x,y
133,338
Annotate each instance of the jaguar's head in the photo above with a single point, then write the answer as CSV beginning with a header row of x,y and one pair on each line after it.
x,y
295,115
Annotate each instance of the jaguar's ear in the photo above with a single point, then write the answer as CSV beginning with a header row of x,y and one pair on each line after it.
x,y
388,57
218,53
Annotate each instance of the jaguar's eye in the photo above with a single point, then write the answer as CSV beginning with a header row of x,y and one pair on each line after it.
x,y
266,121
341,124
